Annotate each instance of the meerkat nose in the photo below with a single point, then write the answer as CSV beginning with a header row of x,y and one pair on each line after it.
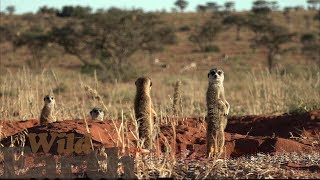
x,y
215,76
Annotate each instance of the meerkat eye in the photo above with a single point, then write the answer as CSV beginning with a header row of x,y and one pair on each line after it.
x,y
150,84
219,72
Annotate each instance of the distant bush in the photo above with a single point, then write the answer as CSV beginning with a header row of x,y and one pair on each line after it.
x,y
47,10
311,47
71,11
204,35
211,48
6,33
308,38
111,74
184,28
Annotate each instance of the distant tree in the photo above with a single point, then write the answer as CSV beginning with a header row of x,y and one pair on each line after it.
x,y
311,47
286,14
181,4
273,37
204,35
238,21
258,24
106,40
6,33
313,4
47,10
229,6
261,7
75,40
37,42
317,18
81,12
308,39
201,8
66,11
11,9
298,8
77,11
213,6
274,5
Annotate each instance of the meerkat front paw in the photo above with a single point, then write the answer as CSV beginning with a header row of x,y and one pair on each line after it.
x,y
224,108
227,109
154,113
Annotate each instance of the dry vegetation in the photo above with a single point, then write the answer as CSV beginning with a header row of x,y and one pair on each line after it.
x,y
294,86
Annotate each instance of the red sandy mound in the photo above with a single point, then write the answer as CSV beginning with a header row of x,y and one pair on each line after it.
x,y
280,126
245,135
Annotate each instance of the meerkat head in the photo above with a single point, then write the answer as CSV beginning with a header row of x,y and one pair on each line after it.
x,y
216,76
48,99
143,83
97,113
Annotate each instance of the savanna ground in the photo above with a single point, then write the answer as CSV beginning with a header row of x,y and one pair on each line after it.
x,y
293,87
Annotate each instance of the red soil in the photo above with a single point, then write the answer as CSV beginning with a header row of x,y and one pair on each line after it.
x,y
244,135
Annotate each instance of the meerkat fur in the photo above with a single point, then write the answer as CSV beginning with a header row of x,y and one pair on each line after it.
x,y
144,111
47,112
177,98
218,108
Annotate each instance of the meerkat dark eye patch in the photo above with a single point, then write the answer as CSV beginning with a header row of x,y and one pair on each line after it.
x,y
150,84
219,72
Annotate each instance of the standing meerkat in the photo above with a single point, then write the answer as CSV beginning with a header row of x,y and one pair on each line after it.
x,y
97,114
48,110
218,108
144,112
176,106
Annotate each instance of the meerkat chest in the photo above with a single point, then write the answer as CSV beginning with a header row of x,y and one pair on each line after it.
x,y
213,93
47,110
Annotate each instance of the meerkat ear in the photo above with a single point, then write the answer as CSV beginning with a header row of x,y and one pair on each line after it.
x,y
150,83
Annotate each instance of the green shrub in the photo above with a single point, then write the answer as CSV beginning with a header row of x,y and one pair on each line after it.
x,y
211,48
184,28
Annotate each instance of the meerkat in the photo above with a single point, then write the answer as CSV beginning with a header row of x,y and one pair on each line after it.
x,y
97,114
47,115
177,98
144,111
218,108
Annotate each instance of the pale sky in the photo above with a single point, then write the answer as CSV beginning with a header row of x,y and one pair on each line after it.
x,y
23,6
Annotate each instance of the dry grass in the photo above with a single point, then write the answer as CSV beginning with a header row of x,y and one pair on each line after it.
x,y
248,92
252,167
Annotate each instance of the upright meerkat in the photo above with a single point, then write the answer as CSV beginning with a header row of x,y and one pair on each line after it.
x,y
97,114
144,112
218,109
176,106
48,110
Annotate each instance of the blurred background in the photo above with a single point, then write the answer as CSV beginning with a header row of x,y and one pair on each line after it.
x,y
89,53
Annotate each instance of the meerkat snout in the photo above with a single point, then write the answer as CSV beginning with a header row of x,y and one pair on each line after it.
x,y
97,114
216,75
48,99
